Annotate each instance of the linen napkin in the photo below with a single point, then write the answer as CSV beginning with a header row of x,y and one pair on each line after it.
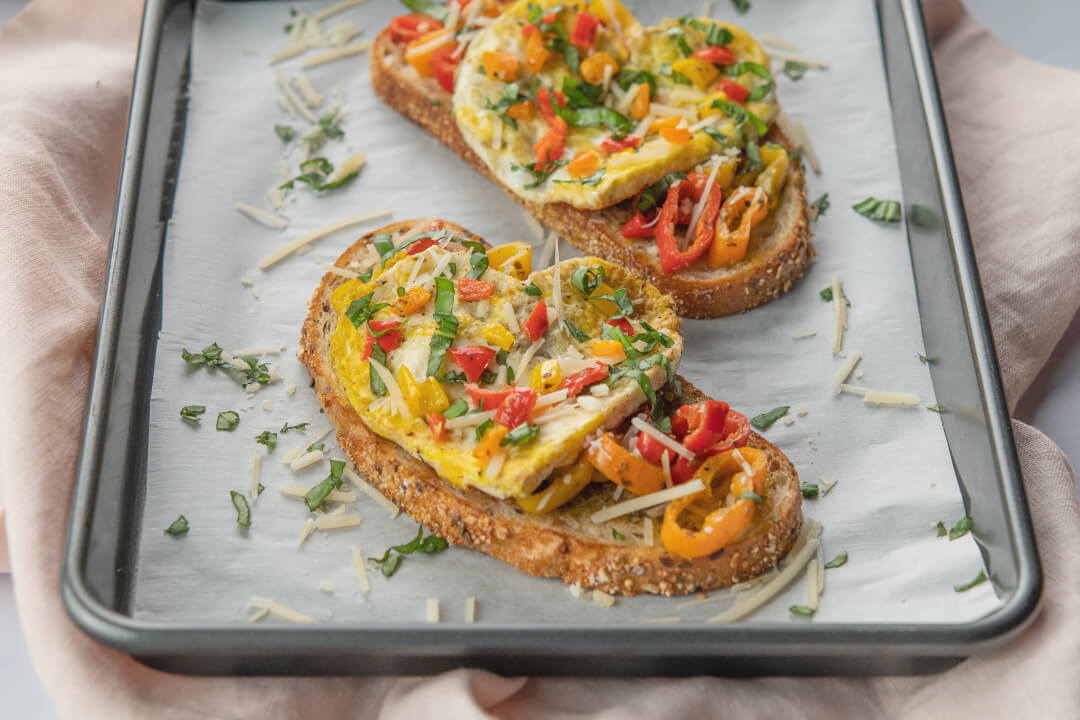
x,y
65,74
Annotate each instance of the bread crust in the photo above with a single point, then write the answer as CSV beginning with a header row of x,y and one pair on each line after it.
x,y
559,544
780,249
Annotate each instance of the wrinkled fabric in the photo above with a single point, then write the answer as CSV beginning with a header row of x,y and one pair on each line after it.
x,y
65,75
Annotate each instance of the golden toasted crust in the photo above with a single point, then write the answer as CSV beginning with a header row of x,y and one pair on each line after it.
x,y
780,248
563,544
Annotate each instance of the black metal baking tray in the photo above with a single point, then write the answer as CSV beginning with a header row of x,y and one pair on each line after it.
x,y
108,493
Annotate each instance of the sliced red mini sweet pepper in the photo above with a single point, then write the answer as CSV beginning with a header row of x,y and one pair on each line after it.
x,y
610,145
389,336
420,246
473,359
471,290
490,399
580,380
584,34
545,100
515,409
671,258
707,427
640,226
736,433
551,144
437,423
735,92
406,28
443,64
537,322
623,324
716,54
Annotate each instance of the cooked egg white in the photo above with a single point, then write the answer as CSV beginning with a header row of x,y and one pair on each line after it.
x,y
563,434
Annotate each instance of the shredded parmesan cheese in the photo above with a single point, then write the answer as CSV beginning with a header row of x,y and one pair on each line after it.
x,y
305,532
361,570
470,602
645,501
549,250
286,87
881,397
753,601
307,460
262,217
845,371
336,54
663,620
670,443
665,460
258,615
807,61
305,240
256,472
812,582
647,525
602,599
350,165
854,389
337,8
526,358
827,485
285,613
372,492
433,610
470,419
839,314
337,521
494,465
778,42
392,387
532,222
820,563
296,491
551,398
803,334
511,318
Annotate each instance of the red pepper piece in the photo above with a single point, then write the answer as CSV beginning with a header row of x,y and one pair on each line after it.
x,y
420,246
437,423
671,258
537,322
515,409
584,34
491,399
406,28
735,91
443,64
623,324
683,469
716,54
473,359
639,226
611,145
529,30
471,290
580,380
735,434
709,429
388,340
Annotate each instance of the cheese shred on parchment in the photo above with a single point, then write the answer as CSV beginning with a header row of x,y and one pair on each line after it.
x,y
283,612
360,567
305,240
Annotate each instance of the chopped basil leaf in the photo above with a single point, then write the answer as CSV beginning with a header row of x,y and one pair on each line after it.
x,y
740,115
436,102
316,446
886,210
267,438
331,125
753,158
596,117
979,580
651,338
627,77
501,357
391,559
826,295
457,408
617,535
586,279
820,206
452,269
532,289
837,561
925,360
654,195
375,381
580,93
362,309
679,79
741,6
794,69
227,420
285,132
316,173
179,526
962,527
487,377
400,291
801,610
765,420
191,413
809,490
520,435
444,334
210,355
540,172
941,531
937,408
684,47
302,427
664,425
426,7
761,71
385,247
621,298
751,496
575,332
243,512
591,181
714,34
478,263
317,495
453,376
482,428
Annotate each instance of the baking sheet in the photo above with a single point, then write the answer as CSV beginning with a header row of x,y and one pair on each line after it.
x,y
892,464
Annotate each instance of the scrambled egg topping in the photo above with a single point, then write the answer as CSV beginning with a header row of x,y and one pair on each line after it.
x,y
567,104
413,326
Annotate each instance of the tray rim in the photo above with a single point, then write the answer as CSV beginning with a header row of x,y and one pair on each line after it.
x,y
453,642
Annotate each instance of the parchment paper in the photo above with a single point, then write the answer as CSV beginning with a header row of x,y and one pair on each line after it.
x,y
894,473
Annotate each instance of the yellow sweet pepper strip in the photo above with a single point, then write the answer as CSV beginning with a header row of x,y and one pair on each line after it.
x,y
564,487
740,214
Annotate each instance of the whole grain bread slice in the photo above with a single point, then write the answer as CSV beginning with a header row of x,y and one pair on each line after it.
x,y
565,544
780,248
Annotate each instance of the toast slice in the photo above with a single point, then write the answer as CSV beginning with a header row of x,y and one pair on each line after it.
x,y
564,544
780,248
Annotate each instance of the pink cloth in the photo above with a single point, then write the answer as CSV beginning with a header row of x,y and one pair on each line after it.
x,y
65,71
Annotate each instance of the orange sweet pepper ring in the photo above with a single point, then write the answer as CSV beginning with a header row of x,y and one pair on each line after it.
x,y
722,523
740,213
621,467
